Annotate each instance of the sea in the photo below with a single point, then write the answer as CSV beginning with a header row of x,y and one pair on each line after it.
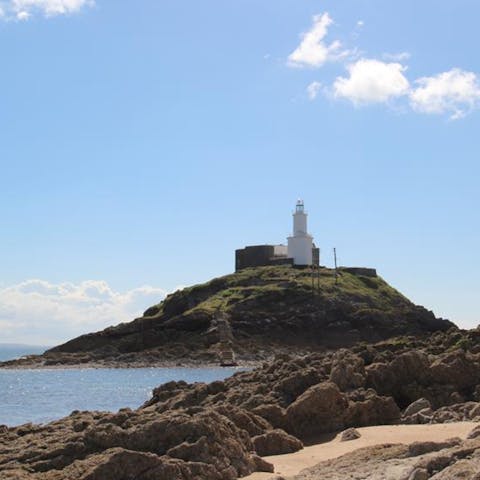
x,y
39,396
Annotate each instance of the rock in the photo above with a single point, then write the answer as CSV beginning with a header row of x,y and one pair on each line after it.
x,y
474,433
276,442
371,409
410,369
245,420
418,412
424,416
294,385
181,434
416,406
262,465
419,474
350,434
273,413
467,411
416,449
209,432
348,371
320,409
392,462
457,368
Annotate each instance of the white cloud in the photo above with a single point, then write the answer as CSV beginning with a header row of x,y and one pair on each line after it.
x,y
455,92
313,89
381,81
24,9
371,81
312,51
40,312
23,15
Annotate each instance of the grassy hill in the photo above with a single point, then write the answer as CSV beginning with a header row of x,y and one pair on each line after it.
x,y
269,310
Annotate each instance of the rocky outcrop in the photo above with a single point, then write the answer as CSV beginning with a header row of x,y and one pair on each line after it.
x,y
180,444
453,459
219,430
270,310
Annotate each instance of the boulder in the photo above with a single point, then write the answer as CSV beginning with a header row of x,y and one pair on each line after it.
x,y
261,465
276,442
320,409
181,434
458,368
350,434
121,464
273,413
372,409
416,406
295,384
396,378
348,371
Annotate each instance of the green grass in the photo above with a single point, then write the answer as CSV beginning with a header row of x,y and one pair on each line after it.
x,y
253,283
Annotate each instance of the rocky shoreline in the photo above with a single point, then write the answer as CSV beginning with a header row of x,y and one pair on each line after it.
x,y
39,364
221,431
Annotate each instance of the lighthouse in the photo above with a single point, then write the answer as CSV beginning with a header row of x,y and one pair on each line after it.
x,y
300,244
300,251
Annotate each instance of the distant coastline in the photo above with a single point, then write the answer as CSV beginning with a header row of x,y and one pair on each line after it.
x,y
29,363
13,351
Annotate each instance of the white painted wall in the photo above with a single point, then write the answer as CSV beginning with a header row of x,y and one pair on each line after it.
x,y
300,249
280,250
299,223
300,244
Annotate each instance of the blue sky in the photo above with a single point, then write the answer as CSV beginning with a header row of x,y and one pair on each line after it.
x,y
142,142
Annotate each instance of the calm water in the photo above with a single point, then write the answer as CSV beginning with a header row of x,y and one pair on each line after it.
x,y
42,395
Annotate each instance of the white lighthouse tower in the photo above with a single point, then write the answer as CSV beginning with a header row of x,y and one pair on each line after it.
x,y
300,244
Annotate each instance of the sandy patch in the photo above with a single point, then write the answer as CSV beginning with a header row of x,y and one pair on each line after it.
x,y
293,463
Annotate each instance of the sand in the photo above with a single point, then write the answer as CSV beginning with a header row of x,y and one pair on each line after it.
x,y
293,463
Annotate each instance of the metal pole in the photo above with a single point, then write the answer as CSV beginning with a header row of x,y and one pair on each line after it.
x,y
318,270
335,258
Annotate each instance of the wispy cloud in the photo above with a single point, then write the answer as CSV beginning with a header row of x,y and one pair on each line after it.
x,y
25,9
371,81
313,51
396,57
313,89
455,93
38,311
